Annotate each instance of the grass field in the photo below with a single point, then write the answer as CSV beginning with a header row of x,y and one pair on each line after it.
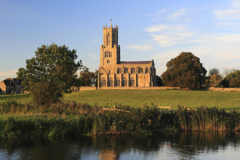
x,y
139,98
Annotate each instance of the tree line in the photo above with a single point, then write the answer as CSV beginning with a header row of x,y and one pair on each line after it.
x,y
187,72
53,71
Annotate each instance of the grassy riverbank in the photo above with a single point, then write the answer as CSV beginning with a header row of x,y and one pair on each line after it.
x,y
73,119
139,98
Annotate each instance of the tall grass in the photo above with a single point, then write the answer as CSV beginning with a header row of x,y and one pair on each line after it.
x,y
70,119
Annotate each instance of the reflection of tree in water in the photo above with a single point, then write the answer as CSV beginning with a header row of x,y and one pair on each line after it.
x,y
186,145
189,144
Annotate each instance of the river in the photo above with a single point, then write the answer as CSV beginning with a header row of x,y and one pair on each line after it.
x,y
184,145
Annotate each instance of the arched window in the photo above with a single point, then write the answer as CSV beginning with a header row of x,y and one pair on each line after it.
x,y
111,82
108,39
105,54
132,81
146,70
125,70
124,81
132,70
103,81
119,70
118,81
108,61
140,70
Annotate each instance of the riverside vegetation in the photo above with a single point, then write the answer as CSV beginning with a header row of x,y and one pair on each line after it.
x,y
73,119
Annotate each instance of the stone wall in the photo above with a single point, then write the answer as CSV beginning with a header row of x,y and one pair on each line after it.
x,y
142,88
224,89
82,88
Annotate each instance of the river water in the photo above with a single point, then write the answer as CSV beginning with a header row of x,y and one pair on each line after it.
x,y
197,145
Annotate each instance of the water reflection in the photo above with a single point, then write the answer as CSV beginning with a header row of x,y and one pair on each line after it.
x,y
165,146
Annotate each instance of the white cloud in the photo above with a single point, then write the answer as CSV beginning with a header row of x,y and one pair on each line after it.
x,y
94,57
8,74
172,38
161,27
140,47
227,14
176,14
235,4
232,13
163,10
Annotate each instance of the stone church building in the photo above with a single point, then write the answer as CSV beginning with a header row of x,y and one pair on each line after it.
x,y
116,73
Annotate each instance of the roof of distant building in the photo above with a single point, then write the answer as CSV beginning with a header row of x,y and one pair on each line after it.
x,y
135,62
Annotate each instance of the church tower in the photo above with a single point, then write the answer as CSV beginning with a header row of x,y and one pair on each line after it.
x,y
110,50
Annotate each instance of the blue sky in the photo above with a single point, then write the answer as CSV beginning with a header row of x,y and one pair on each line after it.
x,y
153,29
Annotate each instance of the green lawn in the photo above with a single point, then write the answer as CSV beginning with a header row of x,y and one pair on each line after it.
x,y
138,98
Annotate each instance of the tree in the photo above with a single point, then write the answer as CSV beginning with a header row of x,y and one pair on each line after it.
x,y
225,72
184,71
230,76
213,71
86,76
49,73
235,82
215,80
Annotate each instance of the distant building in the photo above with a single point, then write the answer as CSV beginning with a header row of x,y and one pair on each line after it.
x,y
116,73
11,84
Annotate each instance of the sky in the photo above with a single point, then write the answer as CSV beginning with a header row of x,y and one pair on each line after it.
x,y
153,29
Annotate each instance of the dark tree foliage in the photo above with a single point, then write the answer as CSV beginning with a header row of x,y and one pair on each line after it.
x,y
215,80
49,73
86,75
230,76
235,82
184,71
213,71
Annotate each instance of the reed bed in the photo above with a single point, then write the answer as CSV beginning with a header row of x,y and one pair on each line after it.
x,y
72,119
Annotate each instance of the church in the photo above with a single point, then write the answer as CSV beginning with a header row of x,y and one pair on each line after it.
x,y
116,73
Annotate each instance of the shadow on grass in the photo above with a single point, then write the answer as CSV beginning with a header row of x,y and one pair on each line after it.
x,y
5,97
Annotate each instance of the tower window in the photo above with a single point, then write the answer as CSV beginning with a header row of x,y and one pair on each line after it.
x,y
108,39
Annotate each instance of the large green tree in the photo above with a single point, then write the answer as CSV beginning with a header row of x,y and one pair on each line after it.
x,y
184,71
49,73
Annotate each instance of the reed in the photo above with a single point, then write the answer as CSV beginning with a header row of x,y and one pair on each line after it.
x,y
71,119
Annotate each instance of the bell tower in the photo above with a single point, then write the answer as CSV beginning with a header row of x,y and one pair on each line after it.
x,y
110,50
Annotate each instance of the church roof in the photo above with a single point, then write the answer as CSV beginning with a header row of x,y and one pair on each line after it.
x,y
135,62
